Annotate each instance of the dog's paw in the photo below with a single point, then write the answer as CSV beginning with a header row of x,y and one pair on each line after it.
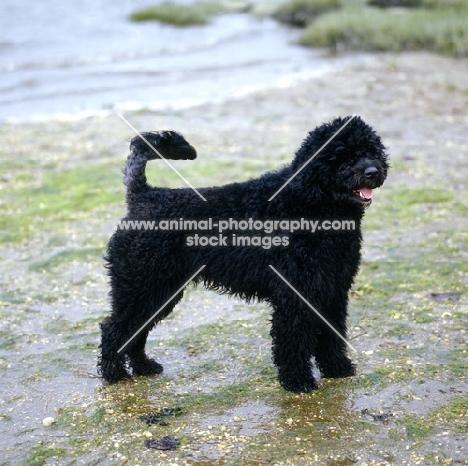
x,y
115,377
339,371
299,386
148,367
112,371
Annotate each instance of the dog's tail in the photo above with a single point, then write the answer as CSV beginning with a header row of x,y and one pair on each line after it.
x,y
148,146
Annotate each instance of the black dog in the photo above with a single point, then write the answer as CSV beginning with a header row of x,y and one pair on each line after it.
x,y
148,268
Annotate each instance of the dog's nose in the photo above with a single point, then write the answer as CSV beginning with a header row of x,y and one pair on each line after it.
x,y
370,172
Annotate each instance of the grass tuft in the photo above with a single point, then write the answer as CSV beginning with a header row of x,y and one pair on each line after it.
x,y
196,14
41,453
439,26
446,4
396,3
442,31
301,12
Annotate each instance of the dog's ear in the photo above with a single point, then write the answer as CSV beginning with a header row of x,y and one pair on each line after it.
x,y
333,153
339,150
321,142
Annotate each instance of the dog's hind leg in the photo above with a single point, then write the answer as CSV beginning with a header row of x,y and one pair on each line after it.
x,y
139,361
123,340
294,342
124,337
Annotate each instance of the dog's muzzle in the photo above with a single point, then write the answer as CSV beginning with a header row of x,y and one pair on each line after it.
x,y
371,179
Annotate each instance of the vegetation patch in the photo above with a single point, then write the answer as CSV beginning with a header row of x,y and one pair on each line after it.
x,y
417,428
8,340
223,398
61,197
442,31
396,3
454,412
70,255
440,26
42,453
195,14
421,196
301,12
444,4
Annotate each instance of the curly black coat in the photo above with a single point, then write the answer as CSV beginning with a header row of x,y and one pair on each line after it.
x,y
146,268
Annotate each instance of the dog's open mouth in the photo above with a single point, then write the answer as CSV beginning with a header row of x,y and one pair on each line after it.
x,y
364,195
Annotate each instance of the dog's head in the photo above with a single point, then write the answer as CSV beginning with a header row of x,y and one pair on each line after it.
x,y
344,160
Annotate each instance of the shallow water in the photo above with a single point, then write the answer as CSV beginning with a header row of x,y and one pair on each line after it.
x,y
86,57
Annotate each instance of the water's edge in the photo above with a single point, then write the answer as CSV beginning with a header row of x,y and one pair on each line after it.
x,y
94,61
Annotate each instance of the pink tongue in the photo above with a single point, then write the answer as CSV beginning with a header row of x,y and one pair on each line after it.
x,y
366,192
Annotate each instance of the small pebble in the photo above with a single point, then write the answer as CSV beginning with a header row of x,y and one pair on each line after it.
x,y
48,421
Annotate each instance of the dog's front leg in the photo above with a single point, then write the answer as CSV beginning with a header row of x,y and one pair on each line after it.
x,y
111,364
331,352
294,342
